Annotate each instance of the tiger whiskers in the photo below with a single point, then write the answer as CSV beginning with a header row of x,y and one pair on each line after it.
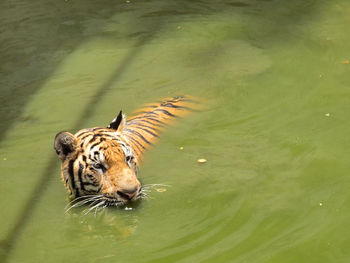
x,y
147,186
82,201
113,202
95,206
143,194
99,202
96,203
147,189
75,200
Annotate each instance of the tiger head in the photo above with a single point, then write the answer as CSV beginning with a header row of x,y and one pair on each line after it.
x,y
98,165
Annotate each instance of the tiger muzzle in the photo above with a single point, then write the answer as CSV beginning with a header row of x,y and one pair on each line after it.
x,y
128,194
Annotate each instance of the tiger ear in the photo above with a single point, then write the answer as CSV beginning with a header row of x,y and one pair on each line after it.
x,y
65,144
118,123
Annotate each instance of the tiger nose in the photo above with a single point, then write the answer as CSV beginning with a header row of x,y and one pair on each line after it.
x,y
128,193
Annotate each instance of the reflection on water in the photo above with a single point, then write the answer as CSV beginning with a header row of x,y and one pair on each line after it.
x,y
114,224
275,184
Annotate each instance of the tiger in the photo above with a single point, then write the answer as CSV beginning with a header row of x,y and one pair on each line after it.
x,y
99,166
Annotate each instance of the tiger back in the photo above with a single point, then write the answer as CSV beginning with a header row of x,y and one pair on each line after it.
x,y
99,165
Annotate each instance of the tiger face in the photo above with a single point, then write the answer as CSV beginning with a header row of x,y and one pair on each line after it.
x,y
98,164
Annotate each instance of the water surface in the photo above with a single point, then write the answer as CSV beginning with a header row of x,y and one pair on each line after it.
x,y
275,75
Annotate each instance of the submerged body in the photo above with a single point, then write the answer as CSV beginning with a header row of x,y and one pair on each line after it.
x,y
100,165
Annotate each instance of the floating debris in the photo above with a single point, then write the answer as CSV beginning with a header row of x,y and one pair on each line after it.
x,y
181,148
321,204
202,160
178,27
5,159
346,61
128,208
160,190
327,114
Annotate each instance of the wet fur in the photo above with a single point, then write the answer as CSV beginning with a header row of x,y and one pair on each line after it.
x,y
99,165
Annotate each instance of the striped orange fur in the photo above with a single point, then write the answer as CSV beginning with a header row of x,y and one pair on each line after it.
x,y
99,165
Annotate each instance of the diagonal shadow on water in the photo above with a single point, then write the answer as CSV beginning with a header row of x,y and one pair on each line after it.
x,y
7,245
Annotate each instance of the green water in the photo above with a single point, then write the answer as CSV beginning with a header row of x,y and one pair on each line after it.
x,y
275,131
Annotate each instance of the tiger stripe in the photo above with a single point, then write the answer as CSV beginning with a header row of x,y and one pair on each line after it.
x,y
104,161
145,126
